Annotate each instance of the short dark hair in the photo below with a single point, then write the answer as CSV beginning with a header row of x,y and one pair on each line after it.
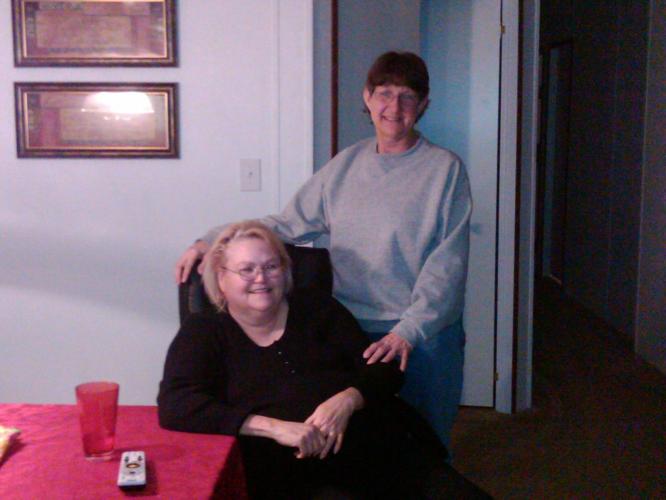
x,y
399,68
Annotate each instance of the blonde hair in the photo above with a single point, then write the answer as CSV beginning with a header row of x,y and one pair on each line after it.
x,y
217,257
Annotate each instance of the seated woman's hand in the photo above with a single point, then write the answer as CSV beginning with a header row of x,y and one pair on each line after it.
x,y
332,416
307,438
184,264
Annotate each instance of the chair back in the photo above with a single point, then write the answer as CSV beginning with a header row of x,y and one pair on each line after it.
x,y
311,268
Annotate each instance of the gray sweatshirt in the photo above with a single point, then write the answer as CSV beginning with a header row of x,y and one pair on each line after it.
x,y
399,234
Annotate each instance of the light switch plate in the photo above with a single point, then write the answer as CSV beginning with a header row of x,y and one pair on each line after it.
x,y
250,174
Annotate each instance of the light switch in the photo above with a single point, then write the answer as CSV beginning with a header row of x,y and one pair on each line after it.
x,y
250,175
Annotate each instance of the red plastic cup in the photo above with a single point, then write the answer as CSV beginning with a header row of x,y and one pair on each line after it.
x,y
98,405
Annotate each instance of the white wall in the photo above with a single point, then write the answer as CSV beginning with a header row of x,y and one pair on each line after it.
x,y
87,246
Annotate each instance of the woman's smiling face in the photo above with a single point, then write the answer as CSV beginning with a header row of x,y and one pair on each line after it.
x,y
262,293
394,110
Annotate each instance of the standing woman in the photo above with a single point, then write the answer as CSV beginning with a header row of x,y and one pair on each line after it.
x,y
397,210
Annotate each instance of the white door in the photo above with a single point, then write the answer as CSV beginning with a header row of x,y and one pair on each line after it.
x,y
461,45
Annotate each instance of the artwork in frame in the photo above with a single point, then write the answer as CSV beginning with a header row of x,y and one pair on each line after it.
x,y
94,32
104,120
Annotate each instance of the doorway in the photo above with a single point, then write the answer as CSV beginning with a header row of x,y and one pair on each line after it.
x,y
553,161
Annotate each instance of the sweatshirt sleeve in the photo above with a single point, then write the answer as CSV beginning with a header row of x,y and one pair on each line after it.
x,y
303,219
438,295
189,397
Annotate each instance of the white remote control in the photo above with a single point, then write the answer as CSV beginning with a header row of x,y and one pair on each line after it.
x,y
132,471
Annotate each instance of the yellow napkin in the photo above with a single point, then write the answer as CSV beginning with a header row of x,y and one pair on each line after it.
x,y
7,436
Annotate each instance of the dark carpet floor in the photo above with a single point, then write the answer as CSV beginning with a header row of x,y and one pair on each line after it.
x,y
597,428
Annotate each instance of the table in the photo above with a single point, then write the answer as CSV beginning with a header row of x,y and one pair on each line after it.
x,y
47,462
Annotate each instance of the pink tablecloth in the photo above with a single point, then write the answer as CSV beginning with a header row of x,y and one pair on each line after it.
x,y
48,463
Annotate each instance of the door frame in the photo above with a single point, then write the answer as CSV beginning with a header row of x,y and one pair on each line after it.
x,y
519,94
525,44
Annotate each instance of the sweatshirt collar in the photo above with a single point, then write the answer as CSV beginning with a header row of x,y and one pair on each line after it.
x,y
389,161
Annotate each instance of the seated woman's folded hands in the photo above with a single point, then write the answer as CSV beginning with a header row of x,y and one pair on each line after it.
x,y
322,432
306,438
332,416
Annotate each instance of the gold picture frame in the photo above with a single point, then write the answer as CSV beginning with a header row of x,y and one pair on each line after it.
x,y
104,120
94,32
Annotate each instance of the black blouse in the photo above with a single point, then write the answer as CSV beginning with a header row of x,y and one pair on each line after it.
x,y
215,376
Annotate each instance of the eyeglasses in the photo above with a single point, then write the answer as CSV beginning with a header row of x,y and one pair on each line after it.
x,y
250,272
406,100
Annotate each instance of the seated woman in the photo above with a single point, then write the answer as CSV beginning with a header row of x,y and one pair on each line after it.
x,y
285,373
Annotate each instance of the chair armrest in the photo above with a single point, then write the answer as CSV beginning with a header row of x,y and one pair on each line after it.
x,y
191,295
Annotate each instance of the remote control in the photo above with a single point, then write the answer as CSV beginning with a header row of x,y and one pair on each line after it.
x,y
132,471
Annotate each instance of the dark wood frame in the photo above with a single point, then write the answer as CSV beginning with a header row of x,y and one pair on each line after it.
x,y
29,50
334,77
60,120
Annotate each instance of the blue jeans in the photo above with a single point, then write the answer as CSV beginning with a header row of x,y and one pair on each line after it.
x,y
434,376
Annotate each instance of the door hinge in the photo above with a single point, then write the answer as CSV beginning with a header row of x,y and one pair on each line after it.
x,y
502,29
496,376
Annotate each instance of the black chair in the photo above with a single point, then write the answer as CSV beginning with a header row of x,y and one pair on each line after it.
x,y
311,268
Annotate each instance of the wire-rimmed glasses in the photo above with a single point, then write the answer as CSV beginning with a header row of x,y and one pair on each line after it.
x,y
250,271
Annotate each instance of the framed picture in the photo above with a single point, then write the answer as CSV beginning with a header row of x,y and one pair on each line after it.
x,y
113,120
94,32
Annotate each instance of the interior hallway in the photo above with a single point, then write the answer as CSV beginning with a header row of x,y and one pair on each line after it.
x,y
597,428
